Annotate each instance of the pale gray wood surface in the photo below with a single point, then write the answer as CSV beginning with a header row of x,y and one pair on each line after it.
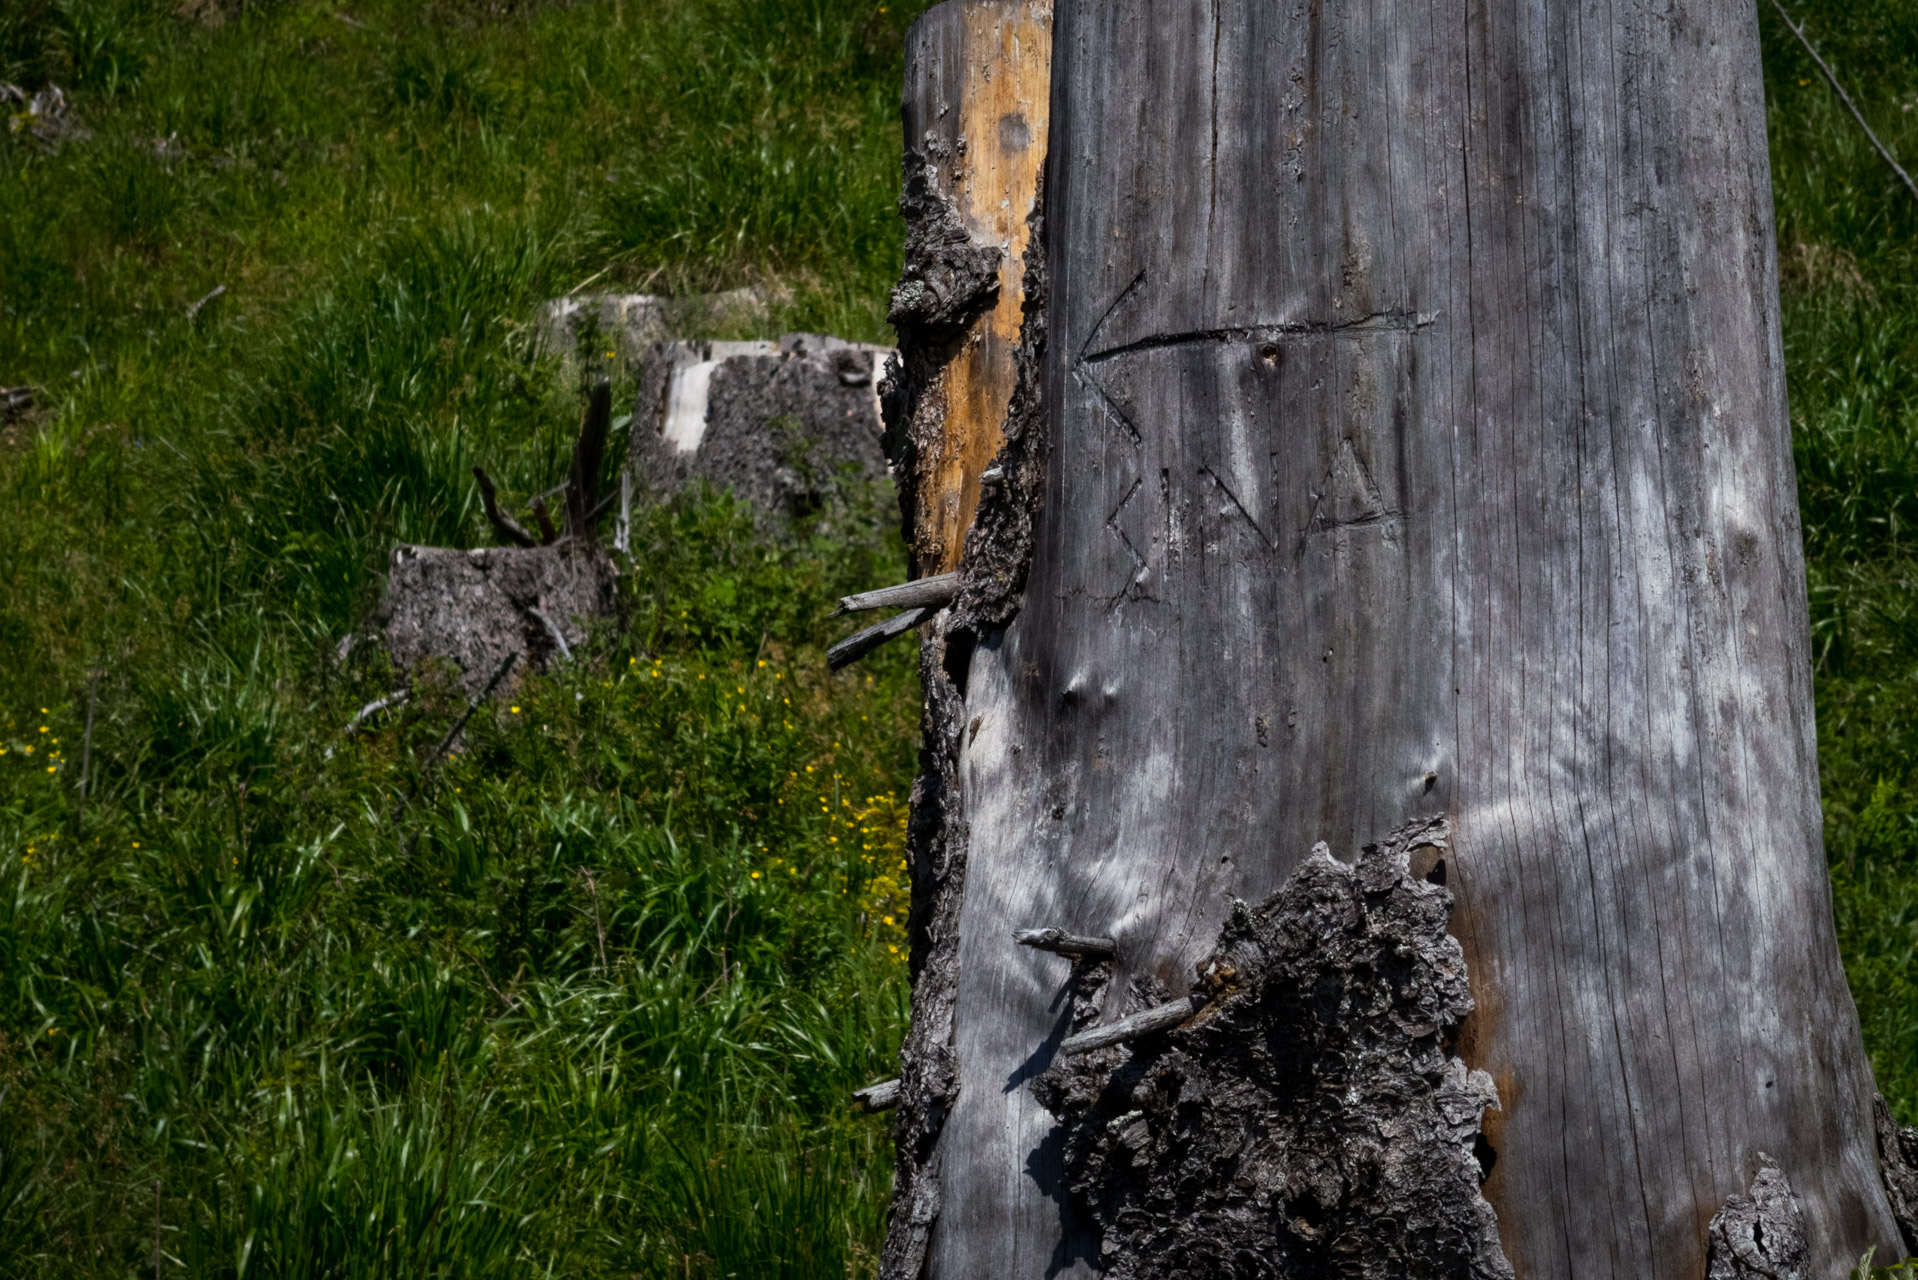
x,y
1419,444
934,591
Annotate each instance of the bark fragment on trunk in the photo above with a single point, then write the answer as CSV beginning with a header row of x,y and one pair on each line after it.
x,y
1898,1161
1311,1118
1760,1233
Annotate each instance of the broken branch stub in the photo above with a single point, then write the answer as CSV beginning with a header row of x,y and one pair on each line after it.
x,y
875,1098
1135,1026
933,592
1310,1119
860,643
1059,942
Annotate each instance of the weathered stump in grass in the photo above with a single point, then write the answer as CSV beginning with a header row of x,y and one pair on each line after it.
x,y
472,608
790,427
536,598
1400,437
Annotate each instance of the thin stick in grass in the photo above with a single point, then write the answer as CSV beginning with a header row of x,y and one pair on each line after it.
x,y
452,735
1845,98
472,705
86,741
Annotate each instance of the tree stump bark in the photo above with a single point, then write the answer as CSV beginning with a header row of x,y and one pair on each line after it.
x,y
1409,442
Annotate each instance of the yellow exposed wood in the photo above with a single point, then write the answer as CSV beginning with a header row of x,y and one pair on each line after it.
x,y
1003,116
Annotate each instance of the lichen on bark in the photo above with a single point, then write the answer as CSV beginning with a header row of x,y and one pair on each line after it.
x,y
1311,1119
1760,1232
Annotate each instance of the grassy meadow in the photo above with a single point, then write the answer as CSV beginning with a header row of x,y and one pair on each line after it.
x,y
591,1002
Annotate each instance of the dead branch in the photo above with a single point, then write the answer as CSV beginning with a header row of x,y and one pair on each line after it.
x,y
582,481
1059,942
875,1098
1158,1018
547,533
860,643
509,528
372,709
934,592
552,629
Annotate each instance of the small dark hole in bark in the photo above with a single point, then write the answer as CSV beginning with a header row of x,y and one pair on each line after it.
x,y
1486,1155
1431,780
1269,353
1307,1213
1427,863
959,659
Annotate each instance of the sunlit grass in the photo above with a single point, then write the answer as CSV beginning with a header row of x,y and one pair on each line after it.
x,y
594,1001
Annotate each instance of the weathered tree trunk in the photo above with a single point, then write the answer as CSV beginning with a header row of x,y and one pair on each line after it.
x,y
1400,461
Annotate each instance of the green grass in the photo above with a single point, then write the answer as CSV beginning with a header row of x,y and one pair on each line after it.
x,y
592,1004
1848,245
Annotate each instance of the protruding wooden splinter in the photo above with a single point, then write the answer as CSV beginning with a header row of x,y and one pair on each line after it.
x,y
933,592
1159,1018
1059,942
860,643
875,1098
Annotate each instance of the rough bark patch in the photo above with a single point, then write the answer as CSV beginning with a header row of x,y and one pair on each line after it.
x,y
472,608
1760,1233
928,1070
997,556
1311,1119
948,280
1898,1162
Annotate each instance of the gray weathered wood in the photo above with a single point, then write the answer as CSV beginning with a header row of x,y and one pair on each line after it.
x,y
373,708
875,1098
933,592
1132,1027
860,643
1418,444
1059,942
